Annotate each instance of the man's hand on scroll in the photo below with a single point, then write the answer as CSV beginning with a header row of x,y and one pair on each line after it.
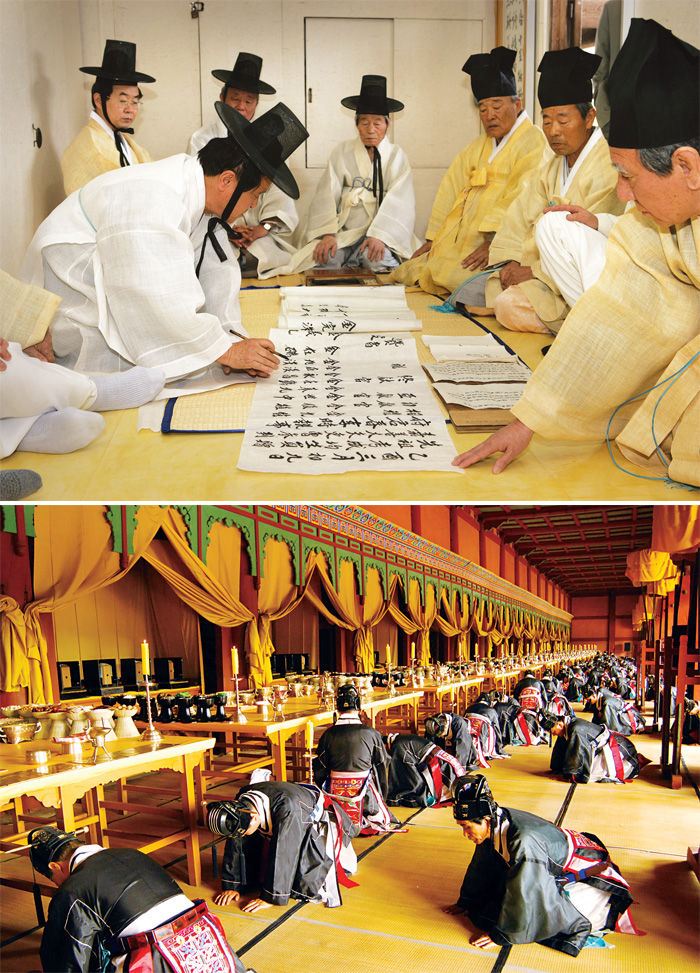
x,y
511,441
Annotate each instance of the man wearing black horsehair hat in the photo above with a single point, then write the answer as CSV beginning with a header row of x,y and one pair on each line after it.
x,y
481,183
132,232
631,342
116,908
531,882
579,176
106,143
264,232
364,208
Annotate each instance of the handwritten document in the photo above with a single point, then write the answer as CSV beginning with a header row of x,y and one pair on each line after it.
x,y
493,396
344,310
346,402
453,371
467,348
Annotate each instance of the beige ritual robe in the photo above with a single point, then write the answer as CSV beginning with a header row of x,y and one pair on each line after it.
x,y
473,197
93,152
591,183
640,321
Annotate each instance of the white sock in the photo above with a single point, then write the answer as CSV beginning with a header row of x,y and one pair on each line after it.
x,y
127,390
63,431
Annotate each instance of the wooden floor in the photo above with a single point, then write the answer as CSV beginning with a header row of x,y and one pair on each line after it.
x,y
394,921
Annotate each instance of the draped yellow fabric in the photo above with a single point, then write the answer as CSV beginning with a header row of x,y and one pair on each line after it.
x,y
423,617
18,649
278,595
676,529
74,558
649,567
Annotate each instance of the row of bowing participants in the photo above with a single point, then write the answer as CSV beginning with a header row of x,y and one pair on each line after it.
x,y
287,840
555,230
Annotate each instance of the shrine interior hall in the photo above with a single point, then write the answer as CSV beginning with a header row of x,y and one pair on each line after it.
x,y
243,610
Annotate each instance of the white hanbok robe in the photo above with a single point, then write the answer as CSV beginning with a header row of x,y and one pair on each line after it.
x,y
119,254
345,207
274,250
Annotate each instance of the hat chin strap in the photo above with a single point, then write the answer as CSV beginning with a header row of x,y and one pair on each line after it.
x,y
216,221
117,141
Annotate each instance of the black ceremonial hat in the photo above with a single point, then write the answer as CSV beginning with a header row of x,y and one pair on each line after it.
x,y
372,98
228,818
654,89
45,844
565,77
245,75
472,798
267,141
492,74
348,697
119,65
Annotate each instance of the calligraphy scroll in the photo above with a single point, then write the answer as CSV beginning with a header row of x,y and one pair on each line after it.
x,y
346,402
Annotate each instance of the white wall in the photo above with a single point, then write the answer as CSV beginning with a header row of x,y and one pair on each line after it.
x,y
40,45
680,16
44,42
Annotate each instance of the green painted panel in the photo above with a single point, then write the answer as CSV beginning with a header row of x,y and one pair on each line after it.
x,y
356,560
265,532
308,544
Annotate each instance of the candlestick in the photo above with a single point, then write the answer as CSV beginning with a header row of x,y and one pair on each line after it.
x,y
145,662
151,735
238,714
310,747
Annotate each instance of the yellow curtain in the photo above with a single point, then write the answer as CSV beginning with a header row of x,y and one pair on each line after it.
x,y
676,528
73,557
423,617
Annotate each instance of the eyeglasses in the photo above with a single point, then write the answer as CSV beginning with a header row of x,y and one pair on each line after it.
x,y
126,103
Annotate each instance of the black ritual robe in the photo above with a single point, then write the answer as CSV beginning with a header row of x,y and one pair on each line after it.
x,y
484,709
459,742
506,710
528,681
510,889
572,755
408,786
288,858
611,712
102,896
351,747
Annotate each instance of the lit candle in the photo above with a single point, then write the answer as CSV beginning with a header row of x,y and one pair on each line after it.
x,y
310,735
234,660
145,663
413,650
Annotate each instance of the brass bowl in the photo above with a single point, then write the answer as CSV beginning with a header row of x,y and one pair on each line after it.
x,y
19,731
38,756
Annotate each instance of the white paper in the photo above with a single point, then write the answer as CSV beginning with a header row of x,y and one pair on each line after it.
x,y
385,293
472,353
348,324
492,396
460,339
346,402
510,371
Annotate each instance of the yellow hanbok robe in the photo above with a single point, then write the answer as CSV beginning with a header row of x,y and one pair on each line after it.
x,y
639,322
471,202
91,153
592,183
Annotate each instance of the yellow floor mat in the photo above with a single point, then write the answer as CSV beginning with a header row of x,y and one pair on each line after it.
x,y
147,466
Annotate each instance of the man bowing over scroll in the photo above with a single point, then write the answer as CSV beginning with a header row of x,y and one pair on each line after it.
x,y
119,253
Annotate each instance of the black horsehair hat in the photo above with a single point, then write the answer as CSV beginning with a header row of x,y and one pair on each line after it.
x,y
45,843
565,77
348,697
119,65
472,798
492,74
228,818
372,99
267,141
654,89
245,75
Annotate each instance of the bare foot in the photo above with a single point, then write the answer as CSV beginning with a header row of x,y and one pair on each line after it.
x,y
226,897
454,910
